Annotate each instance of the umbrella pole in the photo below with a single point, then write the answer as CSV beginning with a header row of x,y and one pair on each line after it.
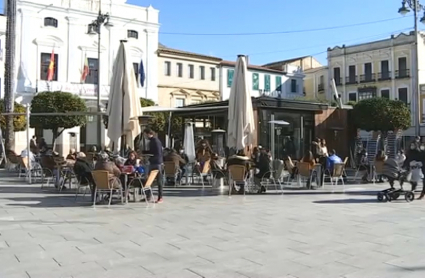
x,y
169,129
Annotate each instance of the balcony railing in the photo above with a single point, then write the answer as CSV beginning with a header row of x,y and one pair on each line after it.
x,y
353,79
321,87
364,78
338,81
405,73
385,75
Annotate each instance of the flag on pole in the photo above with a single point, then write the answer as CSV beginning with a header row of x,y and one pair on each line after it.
x,y
142,75
51,70
86,70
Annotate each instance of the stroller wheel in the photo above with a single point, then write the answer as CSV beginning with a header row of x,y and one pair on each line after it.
x,y
409,196
380,197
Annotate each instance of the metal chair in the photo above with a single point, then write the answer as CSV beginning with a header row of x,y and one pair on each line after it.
x,y
105,183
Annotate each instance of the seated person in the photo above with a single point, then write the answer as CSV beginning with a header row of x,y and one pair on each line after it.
x,y
380,158
239,159
264,171
331,160
178,161
104,164
309,158
82,169
132,159
216,169
363,165
290,166
71,155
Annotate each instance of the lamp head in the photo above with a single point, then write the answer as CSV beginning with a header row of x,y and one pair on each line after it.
x,y
108,22
422,20
403,10
91,30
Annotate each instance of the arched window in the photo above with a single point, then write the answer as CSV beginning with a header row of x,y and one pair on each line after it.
x,y
132,34
50,21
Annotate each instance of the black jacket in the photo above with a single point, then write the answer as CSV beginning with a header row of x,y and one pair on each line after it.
x,y
155,149
82,170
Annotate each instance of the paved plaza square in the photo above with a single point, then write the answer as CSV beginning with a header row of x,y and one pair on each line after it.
x,y
196,233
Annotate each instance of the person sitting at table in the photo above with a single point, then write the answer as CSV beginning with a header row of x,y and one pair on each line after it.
x,y
309,158
132,159
263,172
290,166
72,155
179,162
239,159
203,154
82,169
104,164
216,169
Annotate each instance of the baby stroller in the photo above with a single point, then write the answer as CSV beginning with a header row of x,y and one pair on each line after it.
x,y
392,171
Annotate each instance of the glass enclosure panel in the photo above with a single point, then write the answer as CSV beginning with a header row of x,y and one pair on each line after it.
x,y
293,139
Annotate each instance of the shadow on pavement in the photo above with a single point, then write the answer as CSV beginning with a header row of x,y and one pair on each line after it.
x,y
347,201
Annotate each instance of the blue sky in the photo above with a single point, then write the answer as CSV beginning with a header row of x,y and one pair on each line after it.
x,y
254,16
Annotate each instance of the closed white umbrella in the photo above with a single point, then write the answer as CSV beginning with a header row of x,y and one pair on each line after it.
x,y
124,103
241,127
189,142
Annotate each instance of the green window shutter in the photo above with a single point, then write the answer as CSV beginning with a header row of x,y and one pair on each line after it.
x,y
278,83
230,73
267,83
255,81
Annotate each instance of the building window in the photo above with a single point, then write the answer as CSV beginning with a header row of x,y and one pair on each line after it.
x,y
266,83
136,70
212,74
293,86
50,21
202,72
191,71
385,94
167,68
92,77
402,67
230,74
132,34
255,81
278,83
337,76
385,70
352,78
402,95
179,69
44,66
352,97
179,102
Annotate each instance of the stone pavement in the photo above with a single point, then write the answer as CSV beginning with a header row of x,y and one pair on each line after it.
x,y
195,233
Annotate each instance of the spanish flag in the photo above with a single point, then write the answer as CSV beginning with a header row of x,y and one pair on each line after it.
x,y
86,70
51,69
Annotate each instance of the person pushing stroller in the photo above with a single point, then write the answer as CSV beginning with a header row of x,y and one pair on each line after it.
x,y
414,164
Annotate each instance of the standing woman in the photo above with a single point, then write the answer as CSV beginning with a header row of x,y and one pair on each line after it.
x,y
322,154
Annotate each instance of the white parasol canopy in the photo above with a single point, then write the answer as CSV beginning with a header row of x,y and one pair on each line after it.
x,y
124,103
241,127
189,142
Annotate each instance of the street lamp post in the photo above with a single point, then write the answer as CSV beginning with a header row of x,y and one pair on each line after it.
x,y
96,27
416,7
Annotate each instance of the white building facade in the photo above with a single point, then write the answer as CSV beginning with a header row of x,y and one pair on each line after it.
x,y
387,68
61,27
287,84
